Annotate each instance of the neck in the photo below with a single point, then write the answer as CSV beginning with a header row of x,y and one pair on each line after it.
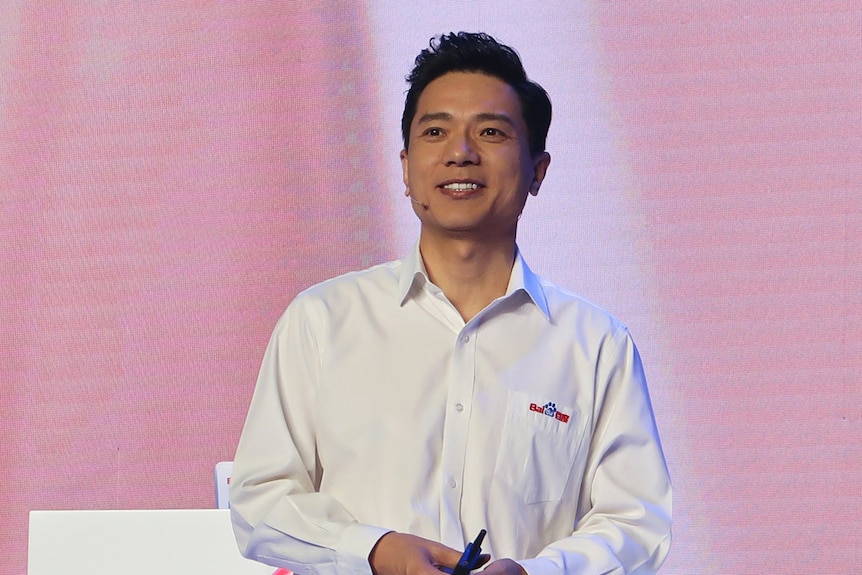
x,y
471,273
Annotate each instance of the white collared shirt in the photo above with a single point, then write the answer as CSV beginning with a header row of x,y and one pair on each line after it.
x,y
377,408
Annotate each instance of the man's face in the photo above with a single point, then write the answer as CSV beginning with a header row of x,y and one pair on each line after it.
x,y
469,168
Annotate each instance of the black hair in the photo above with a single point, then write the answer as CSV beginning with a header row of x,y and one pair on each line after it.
x,y
478,52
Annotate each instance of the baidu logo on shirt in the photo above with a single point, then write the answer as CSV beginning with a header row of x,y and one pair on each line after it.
x,y
550,409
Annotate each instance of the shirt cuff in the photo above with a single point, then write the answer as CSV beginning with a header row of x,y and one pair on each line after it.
x,y
355,545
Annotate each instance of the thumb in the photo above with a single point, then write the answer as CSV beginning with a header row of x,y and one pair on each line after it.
x,y
444,556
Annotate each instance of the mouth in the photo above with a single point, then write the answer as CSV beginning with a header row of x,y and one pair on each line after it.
x,y
460,188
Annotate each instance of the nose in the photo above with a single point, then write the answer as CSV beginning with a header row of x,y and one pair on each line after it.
x,y
461,151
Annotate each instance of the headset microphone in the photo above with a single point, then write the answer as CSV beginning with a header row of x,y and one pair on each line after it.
x,y
418,203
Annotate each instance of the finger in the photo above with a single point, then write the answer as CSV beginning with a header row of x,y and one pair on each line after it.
x,y
445,556
504,567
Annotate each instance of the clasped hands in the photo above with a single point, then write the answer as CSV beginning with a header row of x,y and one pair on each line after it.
x,y
403,554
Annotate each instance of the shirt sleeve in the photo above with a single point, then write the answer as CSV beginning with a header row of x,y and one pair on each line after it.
x,y
278,516
624,515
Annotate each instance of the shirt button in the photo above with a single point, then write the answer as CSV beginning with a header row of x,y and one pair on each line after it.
x,y
452,483
465,339
459,407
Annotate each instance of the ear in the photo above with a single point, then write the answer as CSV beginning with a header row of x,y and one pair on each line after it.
x,y
406,179
540,167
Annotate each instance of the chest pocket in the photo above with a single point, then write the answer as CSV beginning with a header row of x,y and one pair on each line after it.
x,y
539,447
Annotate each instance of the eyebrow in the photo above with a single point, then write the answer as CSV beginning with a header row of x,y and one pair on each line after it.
x,y
483,117
491,117
436,116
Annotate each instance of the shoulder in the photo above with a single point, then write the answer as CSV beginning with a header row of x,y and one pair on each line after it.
x,y
570,310
591,329
381,277
333,297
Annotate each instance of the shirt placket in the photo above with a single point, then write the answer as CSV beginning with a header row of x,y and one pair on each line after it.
x,y
458,410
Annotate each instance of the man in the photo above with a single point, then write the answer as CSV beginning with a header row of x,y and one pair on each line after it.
x,y
401,409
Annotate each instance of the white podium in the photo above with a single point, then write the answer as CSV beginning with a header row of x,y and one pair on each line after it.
x,y
165,542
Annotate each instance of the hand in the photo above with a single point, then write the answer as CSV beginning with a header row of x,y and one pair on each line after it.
x,y
403,554
504,567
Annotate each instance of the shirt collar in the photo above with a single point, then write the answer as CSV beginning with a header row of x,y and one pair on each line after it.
x,y
523,279
413,273
415,276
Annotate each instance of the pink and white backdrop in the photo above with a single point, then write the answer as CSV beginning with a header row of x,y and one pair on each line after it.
x,y
172,173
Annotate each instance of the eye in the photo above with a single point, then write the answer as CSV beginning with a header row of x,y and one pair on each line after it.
x,y
493,133
433,132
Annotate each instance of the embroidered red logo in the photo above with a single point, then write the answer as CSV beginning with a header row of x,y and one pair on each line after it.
x,y
550,409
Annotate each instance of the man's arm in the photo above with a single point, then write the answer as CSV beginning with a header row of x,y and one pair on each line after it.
x,y
625,500
278,515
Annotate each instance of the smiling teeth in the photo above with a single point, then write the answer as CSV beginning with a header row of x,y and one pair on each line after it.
x,y
461,187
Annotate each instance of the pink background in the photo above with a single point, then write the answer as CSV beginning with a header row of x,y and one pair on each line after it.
x,y
173,173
